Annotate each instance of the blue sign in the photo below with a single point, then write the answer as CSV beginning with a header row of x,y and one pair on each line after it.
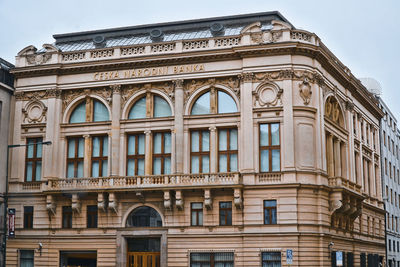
x,y
289,256
339,258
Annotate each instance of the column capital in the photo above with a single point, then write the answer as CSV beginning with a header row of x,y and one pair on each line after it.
x,y
147,132
86,136
178,84
212,128
246,77
116,88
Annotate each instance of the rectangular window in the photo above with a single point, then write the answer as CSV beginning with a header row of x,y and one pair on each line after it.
x,y
384,138
227,150
225,213
386,168
390,169
162,153
76,147
26,258
212,259
271,259
200,151
269,211
99,156
91,216
33,160
135,155
270,155
196,214
66,217
28,217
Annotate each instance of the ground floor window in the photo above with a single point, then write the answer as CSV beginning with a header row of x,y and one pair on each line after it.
x,y
26,258
271,259
78,258
211,259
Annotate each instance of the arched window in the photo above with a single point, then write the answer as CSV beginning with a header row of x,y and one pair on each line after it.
x,y
150,105
333,111
144,217
211,102
98,112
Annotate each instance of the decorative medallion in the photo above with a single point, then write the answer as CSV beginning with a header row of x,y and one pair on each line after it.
x,y
305,91
267,94
34,112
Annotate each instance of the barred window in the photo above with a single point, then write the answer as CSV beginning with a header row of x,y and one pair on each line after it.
x,y
212,259
271,259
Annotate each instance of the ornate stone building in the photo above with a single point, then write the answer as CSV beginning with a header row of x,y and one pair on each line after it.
x,y
229,141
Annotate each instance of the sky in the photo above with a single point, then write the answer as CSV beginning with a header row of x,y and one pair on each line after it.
x,y
363,34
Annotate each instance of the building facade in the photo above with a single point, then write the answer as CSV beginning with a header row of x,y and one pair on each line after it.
x,y
230,141
6,91
390,139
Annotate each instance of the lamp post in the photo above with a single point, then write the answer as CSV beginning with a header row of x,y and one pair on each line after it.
x,y
5,197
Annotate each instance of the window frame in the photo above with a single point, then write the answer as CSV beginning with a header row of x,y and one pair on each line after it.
x,y
76,160
197,211
149,98
89,106
20,256
161,155
100,158
92,216
269,210
212,261
271,261
28,217
136,157
226,212
66,217
269,148
200,153
228,152
35,160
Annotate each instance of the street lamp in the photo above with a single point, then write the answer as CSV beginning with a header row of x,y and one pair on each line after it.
x,y
5,197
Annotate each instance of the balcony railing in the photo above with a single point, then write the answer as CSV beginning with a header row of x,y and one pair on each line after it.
x,y
269,178
343,182
154,181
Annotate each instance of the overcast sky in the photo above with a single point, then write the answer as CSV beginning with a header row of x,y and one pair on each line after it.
x,y
364,35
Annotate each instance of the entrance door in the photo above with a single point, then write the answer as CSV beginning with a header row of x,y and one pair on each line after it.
x,y
143,252
143,259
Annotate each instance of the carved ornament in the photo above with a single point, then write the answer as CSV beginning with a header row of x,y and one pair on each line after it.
x,y
69,95
37,59
115,88
34,112
267,94
305,91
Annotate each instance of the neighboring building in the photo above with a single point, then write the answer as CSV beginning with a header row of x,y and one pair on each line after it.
x,y
6,91
390,142
213,142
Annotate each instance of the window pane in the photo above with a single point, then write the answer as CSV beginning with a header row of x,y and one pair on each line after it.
x,y
223,164
131,167
205,141
223,256
167,143
79,113
264,161
233,163
233,139
161,107
140,167
195,141
167,165
105,168
30,148
71,148
267,219
131,145
222,142
157,142
202,105
105,146
264,135
197,205
276,161
269,203
138,110
157,166
95,169
205,164
200,214
195,164
96,146
70,170
275,134
81,145
80,169
39,149
38,170
100,112
226,104
29,166
141,144
273,218
194,218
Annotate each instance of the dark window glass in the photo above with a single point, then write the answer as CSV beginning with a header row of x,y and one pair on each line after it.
x,y
33,160
196,214
66,217
99,156
225,213
270,155
144,217
363,260
28,217
75,156
91,216
270,212
26,258
271,259
217,259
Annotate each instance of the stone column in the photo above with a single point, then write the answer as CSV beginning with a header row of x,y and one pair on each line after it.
x,y
337,160
329,156
213,150
178,125
148,161
87,156
115,129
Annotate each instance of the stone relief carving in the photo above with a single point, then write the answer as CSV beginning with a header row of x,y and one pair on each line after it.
x,y
35,58
231,82
38,59
267,94
34,112
37,95
285,74
305,91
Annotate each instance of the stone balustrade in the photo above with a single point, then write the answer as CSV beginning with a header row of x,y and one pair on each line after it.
x,y
269,178
343,182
